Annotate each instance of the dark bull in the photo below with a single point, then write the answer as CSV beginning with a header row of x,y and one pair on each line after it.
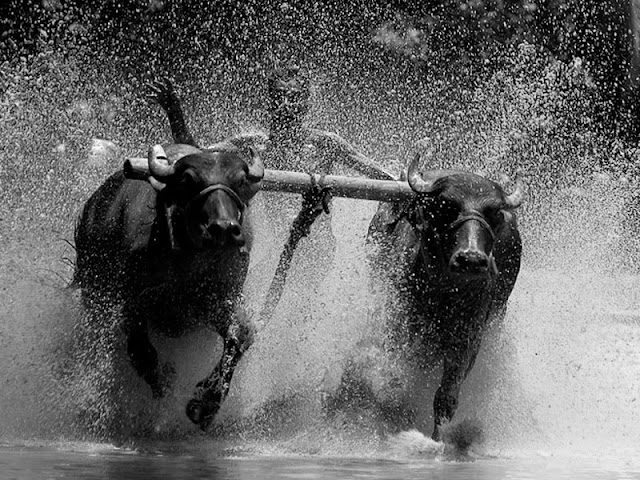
x,y
170,247
453,256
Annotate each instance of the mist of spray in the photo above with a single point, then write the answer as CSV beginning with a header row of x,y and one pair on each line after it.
x,y
560,373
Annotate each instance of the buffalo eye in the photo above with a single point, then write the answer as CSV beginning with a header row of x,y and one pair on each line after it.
x,y
190,179
494,216
188,185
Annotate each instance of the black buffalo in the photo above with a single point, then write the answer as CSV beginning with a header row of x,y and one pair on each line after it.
x,y
452,256
169,246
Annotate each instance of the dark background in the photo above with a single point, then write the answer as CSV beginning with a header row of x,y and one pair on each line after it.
x,y
458,38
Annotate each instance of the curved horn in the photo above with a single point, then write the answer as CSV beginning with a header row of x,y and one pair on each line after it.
x,y
515,199
256,168
417,183
159,164
423,182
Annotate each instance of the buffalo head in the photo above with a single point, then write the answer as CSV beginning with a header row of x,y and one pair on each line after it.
x,y
465,214
207,191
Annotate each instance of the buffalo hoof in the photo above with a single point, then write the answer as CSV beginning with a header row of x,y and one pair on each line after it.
x,y
462,435
199,414
164,384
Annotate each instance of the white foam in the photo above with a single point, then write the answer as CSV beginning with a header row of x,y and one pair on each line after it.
x,y
412,443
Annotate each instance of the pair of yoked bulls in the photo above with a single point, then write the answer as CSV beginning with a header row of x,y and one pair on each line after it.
x,y
171,247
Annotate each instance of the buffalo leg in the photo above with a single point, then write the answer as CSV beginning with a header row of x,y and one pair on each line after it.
x,y
211,392
458,362
144,357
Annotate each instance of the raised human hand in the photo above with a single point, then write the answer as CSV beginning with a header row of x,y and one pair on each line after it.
x,y
161,91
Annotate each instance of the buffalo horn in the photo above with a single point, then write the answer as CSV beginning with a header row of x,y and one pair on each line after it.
x,y
256,169
159,165
515,199
423,182
417,183
136,168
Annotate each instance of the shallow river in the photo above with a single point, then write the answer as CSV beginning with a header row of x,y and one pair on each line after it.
x,y
103,462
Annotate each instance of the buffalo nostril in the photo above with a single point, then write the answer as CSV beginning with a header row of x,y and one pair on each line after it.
x,y
469,261
216,229
236,234
222,231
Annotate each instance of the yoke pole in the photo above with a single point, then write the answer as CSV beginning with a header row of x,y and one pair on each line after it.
x,y
296,182
341,186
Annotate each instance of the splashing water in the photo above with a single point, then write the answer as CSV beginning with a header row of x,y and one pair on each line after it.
x,y
560,375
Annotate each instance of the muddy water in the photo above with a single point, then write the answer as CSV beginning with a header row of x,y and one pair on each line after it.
x,y
49,463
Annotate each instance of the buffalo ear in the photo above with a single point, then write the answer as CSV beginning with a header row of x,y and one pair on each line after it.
x,y
249,188
516,198
508,216
255,174
256,166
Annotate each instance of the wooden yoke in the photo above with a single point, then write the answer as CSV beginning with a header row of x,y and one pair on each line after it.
x,y
300,183
341,186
